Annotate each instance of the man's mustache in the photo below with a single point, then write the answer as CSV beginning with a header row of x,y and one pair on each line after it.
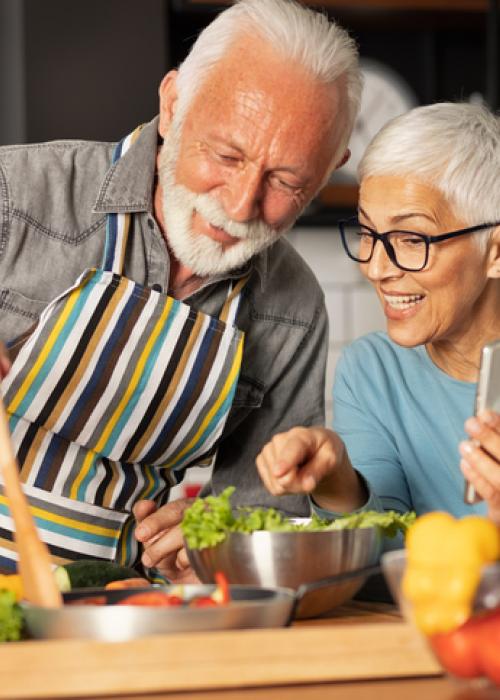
x,y
212,211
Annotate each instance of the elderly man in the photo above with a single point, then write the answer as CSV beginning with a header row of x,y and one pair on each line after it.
x,y
155,317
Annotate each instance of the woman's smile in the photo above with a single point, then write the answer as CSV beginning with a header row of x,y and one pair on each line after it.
x,y
402,302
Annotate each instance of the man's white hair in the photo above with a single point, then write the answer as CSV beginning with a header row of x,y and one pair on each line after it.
x,y
296,32
454,147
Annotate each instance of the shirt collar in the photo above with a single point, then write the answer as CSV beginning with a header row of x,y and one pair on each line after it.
x,y
259,263
128,185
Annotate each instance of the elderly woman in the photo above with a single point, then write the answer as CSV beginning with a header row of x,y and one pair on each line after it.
x,y
427,237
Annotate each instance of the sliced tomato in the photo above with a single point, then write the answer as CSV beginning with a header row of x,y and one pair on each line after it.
x,y
203,602
223,586
152,598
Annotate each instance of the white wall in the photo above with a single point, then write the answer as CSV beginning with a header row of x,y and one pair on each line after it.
x,y
352,305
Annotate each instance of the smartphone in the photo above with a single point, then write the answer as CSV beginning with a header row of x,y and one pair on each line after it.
x,y
487,395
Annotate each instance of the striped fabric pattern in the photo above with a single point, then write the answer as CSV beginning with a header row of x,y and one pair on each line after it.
x,y
127,382
117,389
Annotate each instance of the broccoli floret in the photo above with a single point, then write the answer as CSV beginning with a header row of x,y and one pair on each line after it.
x,y
11,619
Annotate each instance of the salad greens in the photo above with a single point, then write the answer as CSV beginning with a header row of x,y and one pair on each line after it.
x,y
11,619
208,521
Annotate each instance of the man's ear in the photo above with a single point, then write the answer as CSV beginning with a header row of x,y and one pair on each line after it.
x,y
168,100
493,270
343,160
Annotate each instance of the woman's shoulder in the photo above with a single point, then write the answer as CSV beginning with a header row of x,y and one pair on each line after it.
x,y
377,352
377,345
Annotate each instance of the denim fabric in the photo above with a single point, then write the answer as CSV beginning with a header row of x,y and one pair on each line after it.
x,y
54,198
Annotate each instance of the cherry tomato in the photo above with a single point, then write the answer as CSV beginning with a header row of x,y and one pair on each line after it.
x,y
153,598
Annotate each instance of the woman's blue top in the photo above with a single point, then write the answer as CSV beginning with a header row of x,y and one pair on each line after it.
x,y
401,418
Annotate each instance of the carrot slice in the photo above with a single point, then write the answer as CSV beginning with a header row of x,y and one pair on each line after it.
x,y
127,583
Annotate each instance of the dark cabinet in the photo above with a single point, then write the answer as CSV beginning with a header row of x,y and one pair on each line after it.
x,y
80,69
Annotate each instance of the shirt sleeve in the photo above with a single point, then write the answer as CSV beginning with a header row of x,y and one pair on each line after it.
x,y
373,503
360,420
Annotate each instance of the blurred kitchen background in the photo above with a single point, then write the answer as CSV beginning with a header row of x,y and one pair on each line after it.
x,y
90,69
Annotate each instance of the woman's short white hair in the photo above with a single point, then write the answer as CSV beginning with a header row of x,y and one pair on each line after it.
x,y
454,147
298,33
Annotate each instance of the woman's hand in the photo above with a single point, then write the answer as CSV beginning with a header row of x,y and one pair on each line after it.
x,y
315,461
480,462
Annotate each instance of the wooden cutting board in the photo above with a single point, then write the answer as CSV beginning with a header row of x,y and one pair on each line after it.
x,y
328,650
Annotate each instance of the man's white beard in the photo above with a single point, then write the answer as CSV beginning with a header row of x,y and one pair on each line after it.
x,y
198,252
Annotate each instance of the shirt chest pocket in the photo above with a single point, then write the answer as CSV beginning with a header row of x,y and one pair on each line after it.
x,y
249,396
18,315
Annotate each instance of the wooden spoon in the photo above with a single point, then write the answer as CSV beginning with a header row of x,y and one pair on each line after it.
x,y
39,585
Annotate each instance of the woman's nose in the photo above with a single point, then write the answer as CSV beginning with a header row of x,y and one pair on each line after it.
x,y
380,266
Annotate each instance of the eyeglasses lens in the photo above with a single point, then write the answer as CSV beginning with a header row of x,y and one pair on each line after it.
x,y
410,249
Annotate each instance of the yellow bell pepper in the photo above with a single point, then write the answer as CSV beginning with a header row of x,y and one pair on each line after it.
x,y
444,561
12,582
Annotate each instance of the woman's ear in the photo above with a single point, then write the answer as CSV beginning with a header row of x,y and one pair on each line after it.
x,y
168,100
493,270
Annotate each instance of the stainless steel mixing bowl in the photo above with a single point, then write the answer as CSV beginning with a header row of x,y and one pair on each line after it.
x,y
292,559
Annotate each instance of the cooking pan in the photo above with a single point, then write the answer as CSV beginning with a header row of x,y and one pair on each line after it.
x,y
250,607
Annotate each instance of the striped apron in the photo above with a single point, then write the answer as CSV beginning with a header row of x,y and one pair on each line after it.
x,y
115,391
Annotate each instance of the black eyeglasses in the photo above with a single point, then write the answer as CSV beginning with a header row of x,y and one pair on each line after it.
x,y
406,249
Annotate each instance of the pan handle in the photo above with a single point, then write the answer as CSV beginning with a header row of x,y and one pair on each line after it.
x,y
305,588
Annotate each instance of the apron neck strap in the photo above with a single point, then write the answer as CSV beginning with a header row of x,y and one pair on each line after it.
x,y
231,305
118,225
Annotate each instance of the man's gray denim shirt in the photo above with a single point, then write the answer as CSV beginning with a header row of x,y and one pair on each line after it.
x,y
54,198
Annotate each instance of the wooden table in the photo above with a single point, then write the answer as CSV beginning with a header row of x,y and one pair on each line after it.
x,y
362,650
394,689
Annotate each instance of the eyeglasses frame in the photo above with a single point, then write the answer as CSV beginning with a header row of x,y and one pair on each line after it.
x,y
389,249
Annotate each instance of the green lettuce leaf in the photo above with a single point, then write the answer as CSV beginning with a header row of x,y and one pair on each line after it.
x,y
208,521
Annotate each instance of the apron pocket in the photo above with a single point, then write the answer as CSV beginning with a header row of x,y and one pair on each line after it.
x,y
72,529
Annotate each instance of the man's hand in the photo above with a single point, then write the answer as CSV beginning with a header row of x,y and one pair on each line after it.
x,y
160,533
315,461
480,462
5,362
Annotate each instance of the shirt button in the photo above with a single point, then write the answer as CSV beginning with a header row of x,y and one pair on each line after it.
x,y
156,287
